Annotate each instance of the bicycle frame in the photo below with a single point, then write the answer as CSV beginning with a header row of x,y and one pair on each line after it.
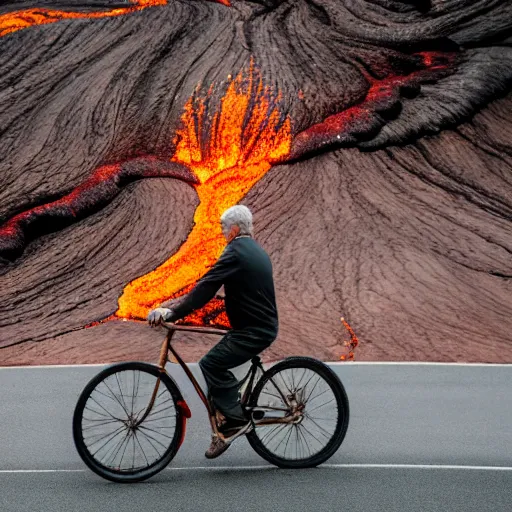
x,y
212,414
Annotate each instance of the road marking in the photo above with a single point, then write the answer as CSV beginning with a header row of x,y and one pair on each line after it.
x,y
42,471
257,468
330,363
416,466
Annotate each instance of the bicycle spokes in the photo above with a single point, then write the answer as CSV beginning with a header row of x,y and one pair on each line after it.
x,y
306,423
112,428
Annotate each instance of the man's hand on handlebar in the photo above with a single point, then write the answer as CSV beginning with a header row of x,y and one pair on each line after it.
x,y
159,315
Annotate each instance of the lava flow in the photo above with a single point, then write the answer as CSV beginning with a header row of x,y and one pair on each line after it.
x,y
228,153
18,20
97,191
345,127
349,345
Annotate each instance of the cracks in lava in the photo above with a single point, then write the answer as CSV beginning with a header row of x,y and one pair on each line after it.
x,y
14,21
363,121
86,199
357,123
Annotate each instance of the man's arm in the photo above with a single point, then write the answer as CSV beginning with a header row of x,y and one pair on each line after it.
x,y
171,303
206,287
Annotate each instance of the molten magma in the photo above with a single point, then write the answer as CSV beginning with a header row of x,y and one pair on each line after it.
x,y
383,94
18,20
228,152
350,345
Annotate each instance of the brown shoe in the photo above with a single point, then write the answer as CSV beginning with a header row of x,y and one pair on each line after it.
x,y
217,447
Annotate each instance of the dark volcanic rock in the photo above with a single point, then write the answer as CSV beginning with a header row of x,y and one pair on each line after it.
x,y
393,209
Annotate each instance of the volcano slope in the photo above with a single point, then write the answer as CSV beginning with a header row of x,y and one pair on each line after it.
x,y
372,140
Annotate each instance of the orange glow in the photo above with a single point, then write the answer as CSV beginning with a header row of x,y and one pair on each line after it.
x,y
18,20
229,152
351,345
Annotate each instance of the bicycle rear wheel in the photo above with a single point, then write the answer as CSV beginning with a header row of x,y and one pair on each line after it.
x,y
106,428
318,432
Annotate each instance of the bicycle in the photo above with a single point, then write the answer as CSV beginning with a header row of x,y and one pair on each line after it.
x,y
149,428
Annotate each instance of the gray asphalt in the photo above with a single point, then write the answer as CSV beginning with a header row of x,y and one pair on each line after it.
x,y
400,414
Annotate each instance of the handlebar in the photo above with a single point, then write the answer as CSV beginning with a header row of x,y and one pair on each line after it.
x,y
191,328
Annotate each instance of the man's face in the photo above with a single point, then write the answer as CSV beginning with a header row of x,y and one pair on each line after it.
x,y
229,232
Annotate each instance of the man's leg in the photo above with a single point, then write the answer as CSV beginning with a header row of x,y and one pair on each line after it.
x,y
230,352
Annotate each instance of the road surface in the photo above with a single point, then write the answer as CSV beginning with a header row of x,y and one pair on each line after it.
x,y
421,438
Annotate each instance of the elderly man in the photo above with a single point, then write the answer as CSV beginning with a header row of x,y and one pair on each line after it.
x,y
245,271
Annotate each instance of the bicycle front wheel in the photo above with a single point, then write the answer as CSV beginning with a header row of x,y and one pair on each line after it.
x,y
108,433
318,429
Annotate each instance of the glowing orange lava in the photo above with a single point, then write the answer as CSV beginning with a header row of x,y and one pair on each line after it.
x,y
350,345
18,20
229,152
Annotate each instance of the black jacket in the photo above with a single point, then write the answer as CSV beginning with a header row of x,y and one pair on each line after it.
x,y
245,270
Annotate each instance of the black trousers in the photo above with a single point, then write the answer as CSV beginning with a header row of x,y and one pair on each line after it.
x,y
234,349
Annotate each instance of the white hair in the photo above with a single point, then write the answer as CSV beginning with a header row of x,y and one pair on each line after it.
x,y
240,216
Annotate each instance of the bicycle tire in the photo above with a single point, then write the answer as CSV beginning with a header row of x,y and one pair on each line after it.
x,y
159,464
342,403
